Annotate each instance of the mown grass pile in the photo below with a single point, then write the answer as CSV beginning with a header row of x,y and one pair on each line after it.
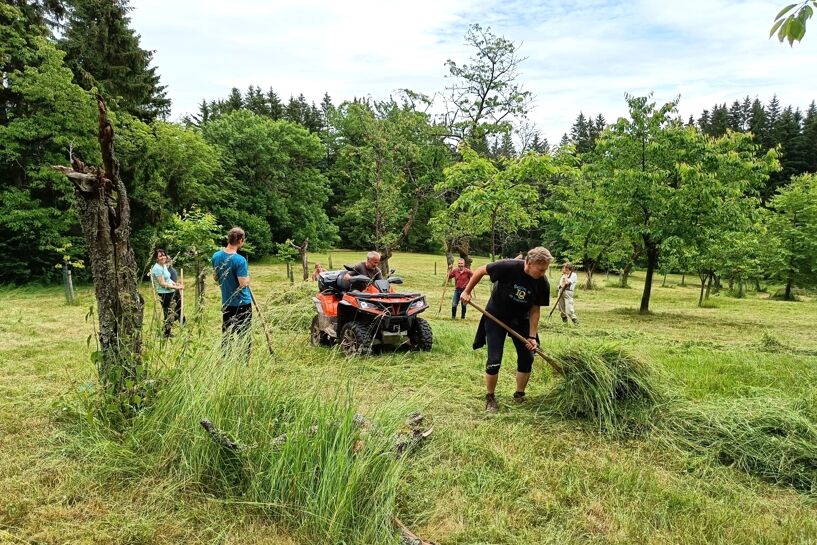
x,y
622,395
765,437
302,458
291,308
605,385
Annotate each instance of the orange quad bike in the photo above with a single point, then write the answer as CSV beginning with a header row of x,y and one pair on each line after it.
x,y
360,314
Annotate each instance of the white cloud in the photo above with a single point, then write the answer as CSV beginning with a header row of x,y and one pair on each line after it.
x,y
582,55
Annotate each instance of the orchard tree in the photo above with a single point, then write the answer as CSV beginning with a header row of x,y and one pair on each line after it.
x,y
388,159
493,201
793,231
666,181
192,235
587,219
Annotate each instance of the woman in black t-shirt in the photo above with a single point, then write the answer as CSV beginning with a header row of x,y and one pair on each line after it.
x,y
521,289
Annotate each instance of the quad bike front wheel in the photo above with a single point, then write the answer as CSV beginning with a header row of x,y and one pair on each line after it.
x,y
420,335
317,337
355,339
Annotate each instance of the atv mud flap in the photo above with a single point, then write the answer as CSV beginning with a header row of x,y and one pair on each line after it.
x,y
328,325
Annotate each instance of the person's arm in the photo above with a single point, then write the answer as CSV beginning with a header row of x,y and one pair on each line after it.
x,y
533,326
243,274
160,279
478,274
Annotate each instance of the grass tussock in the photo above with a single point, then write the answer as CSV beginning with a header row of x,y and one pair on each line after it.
x,y
764,437
605,385
297,455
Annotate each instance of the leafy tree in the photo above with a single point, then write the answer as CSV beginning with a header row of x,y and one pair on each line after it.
x,y
270,172
104,52
389,158
192,236
485,96
167,169
667,182
790,22
43,117
493,201
793,231
587,221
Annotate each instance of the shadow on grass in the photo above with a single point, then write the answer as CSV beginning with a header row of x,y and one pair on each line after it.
x,y
713,320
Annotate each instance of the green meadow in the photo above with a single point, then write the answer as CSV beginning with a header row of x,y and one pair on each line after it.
x,y
525,475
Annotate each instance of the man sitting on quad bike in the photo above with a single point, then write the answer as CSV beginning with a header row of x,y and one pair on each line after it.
x,y
359,313
370,267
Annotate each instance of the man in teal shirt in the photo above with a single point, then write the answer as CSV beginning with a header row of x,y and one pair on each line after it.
x,y
231,272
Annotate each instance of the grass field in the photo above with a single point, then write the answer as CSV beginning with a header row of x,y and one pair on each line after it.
x,y
522,476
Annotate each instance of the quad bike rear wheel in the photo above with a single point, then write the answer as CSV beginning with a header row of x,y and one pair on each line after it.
x,y
355,339
420,335
316,336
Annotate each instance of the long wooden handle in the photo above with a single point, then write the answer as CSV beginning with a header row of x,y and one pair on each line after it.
x,y
181,299
263,322
556,303
551,361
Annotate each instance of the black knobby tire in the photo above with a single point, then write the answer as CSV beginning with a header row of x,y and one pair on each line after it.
x,y
316,336
355,339
420,335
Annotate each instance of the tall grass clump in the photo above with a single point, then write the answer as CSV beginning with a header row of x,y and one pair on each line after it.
x,y
294,453
764,437
605,385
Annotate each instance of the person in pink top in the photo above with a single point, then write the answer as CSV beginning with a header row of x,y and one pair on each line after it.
x,y
461,276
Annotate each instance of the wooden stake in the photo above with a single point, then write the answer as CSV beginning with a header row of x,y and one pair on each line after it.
x,y
181,299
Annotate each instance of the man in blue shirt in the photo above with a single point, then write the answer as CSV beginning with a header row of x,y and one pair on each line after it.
x,y
231,272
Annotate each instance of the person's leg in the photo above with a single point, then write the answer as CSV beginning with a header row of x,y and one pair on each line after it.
x,y
570,311
243,321
462,314
524,365
495,340
454,301
167,301
561,306
177,306
227,319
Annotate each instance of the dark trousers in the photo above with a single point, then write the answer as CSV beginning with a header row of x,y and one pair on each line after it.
x,y
235,328
171,309
495,339
236,320
457,293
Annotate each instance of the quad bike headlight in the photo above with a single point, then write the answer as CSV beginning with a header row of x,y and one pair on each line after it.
x,y
364,304
418,303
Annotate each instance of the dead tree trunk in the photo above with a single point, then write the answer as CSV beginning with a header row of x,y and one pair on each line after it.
x,y
104,214
303,255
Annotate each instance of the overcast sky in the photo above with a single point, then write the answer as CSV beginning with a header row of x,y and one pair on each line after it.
x,y
582,55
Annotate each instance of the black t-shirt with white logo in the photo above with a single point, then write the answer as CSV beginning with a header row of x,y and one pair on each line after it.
x,y
515,292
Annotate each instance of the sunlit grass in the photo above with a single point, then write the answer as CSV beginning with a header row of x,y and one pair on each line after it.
x,y
527,475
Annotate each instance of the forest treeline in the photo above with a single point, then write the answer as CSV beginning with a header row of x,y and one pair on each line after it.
x,y
727,196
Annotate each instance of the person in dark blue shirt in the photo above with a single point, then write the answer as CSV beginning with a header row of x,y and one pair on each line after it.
x,y
231,272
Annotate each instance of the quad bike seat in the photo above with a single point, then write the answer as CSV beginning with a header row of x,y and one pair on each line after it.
x,y
338,282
